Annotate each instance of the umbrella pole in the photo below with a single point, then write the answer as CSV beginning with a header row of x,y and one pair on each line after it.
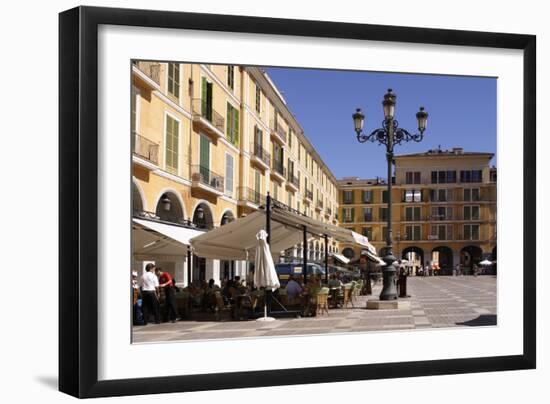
x,y
267,309
189,273
326,259
305,254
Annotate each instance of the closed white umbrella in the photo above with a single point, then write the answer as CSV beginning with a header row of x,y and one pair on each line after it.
x,y
265,275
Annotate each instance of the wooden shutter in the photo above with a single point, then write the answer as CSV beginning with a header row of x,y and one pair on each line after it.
x,y
204,96
229,174
205,158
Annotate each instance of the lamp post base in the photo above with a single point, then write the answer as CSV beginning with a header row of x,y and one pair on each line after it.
x,y
389,291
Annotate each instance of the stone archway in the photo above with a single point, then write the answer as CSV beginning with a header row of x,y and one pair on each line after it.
x,y
415,255
202,216
444,258
137,201
169,208
469,256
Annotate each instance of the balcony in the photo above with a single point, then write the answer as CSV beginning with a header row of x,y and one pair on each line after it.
x,y
251,198
151,70
278,170
308,195
260,156
205,180
278,133
207,118
145,149
319,205
293,183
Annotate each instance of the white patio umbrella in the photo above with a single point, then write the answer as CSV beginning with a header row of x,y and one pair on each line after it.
x,y
264,270
486,262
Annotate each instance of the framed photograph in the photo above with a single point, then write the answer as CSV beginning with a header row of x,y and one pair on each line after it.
x,y
251,202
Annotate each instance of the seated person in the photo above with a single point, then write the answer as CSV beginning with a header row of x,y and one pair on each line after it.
x,y
334,282
293,290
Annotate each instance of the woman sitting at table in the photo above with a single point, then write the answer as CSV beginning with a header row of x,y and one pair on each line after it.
x,y
293,291
334,282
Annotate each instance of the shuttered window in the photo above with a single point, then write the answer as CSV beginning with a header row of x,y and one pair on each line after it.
x,y
232,121
229,162
174,79
172,141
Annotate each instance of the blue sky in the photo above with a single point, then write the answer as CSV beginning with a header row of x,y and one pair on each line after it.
x,y
462,113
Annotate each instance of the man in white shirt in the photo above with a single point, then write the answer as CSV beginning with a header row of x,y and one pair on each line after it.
x,y
150,293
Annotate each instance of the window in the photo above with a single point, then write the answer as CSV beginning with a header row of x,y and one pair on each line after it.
x,y
257,181
172,141
206,99
275,191
441,232
471,194
382,214
471,212
174,79
229,161
232,129
439,195
412,213
258,99
413,232
471,232
349,214
412,177
290,136
289,199
441,213
470,176
134,109
204,158
231,77
413,195
384,196
348,197
443,177
366,196
367,232
367,214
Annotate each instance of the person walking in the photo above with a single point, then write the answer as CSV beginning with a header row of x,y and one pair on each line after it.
x,y
166,283
136,300
150,294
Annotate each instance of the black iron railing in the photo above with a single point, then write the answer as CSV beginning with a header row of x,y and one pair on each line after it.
x,y
252,196
293,179
145,148
261,153
206,177
205,110
278,167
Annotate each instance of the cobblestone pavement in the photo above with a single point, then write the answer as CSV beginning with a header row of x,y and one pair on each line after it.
x,y
434,302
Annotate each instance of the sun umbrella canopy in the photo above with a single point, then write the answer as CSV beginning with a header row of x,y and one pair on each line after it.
x,y
264,268
486,262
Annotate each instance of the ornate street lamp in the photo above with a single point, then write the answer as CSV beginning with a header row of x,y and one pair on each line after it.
x,y
390,134
166,203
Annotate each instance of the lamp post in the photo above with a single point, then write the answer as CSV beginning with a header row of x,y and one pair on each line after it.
x,y
390,135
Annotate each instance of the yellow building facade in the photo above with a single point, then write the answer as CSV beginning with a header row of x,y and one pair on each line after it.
x,y
444,209
213,140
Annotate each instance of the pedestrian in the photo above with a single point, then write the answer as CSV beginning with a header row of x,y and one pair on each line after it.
x,y
136,301
150,294
167,284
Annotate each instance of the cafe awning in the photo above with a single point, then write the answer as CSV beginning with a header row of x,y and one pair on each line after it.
x,y
237,240
153,240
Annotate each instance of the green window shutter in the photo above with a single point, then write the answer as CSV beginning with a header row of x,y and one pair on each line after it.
x,y
171,148
204,91
236,128
205,158
209,95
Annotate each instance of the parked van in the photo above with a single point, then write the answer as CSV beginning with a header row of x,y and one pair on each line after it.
x,y
284,270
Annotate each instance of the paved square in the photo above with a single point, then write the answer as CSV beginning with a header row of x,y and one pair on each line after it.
x,y
435,302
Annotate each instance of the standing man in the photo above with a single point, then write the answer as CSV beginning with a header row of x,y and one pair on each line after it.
x,y
150,294
167,284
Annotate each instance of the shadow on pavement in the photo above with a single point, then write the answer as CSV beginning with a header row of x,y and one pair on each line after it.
x,y
484,319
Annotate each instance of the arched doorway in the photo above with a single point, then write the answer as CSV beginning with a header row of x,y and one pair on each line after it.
x,y
415,255
469,256
137,201
348,253
443,255
169,208
227,268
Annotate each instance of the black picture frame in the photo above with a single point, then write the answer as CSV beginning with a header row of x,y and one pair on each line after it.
x,y
78,196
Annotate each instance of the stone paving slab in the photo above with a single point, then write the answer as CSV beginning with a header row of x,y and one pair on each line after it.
x,y
435,302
